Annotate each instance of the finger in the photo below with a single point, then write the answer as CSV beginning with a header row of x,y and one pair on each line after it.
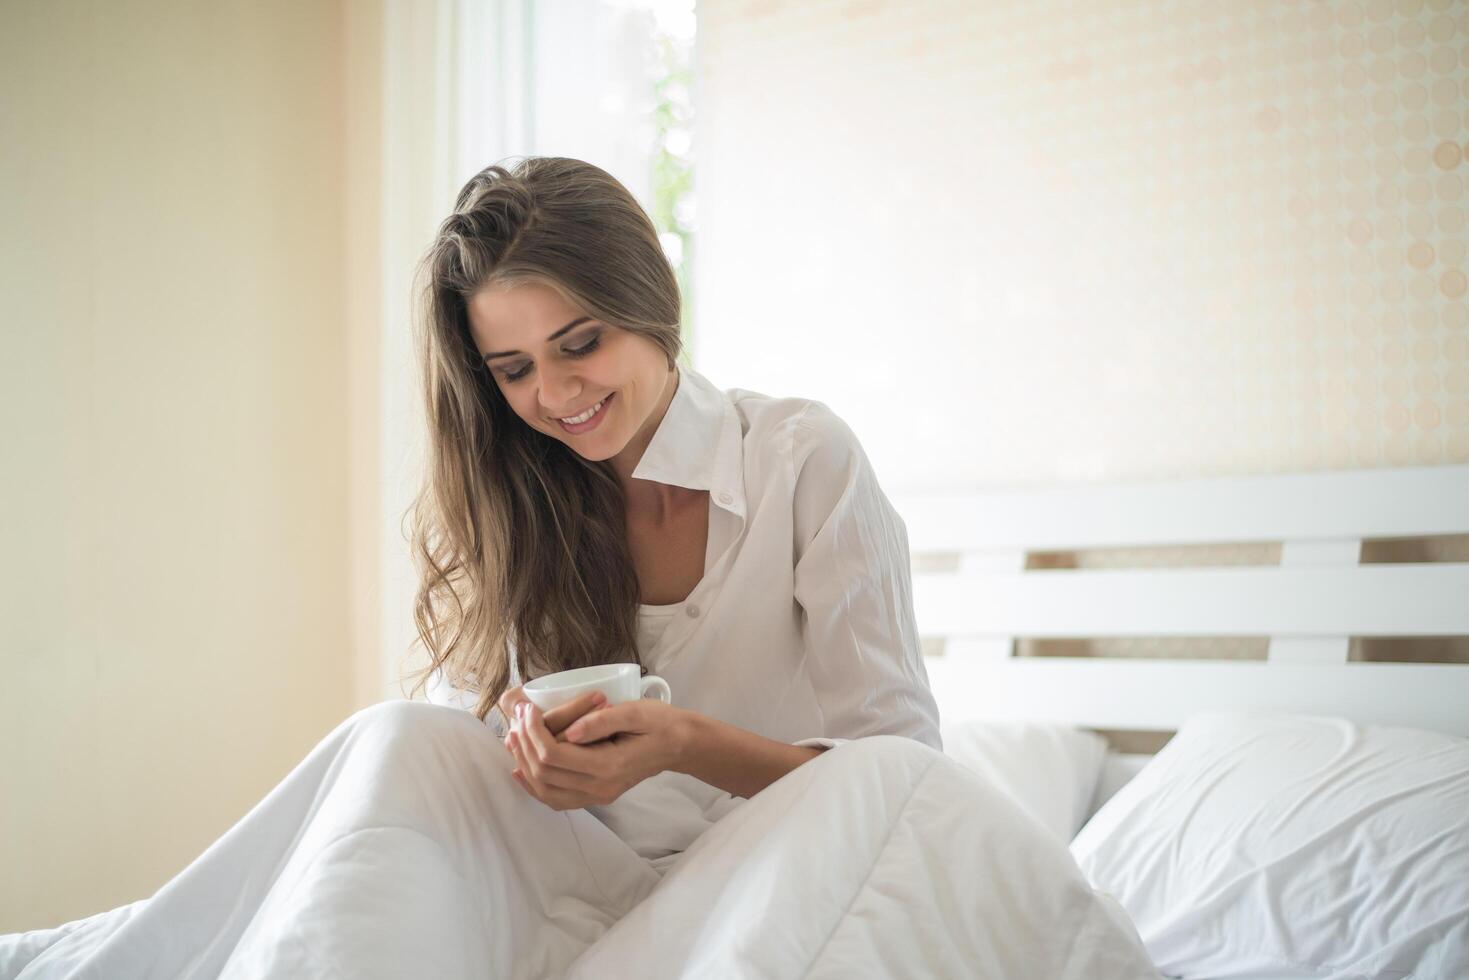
x,y
605,722
519,744
552,785
539,740
520,725
508,700
569,780
558,763
555,799
530,769
564,714
517,751
543,772
525,784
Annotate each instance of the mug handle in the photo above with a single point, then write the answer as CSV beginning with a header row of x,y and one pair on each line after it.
x,y
658,686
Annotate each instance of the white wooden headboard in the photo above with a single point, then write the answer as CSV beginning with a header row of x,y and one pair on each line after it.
x,y
1309,606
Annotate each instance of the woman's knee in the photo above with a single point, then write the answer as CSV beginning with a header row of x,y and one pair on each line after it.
x,y
428,767
432,741
399,721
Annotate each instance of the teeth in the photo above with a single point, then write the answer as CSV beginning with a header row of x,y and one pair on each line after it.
x,y
584,415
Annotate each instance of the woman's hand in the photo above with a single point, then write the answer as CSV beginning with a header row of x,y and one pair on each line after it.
x,y
558,717
599,757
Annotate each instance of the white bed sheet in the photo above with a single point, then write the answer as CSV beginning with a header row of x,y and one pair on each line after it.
x,y
400,847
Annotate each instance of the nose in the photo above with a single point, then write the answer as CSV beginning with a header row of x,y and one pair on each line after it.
x,y
560,389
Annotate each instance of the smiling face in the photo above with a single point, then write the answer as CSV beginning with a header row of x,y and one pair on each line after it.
x,y
552,362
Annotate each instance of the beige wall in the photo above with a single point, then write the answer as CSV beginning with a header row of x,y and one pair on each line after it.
x,y
362,187
174,385
1020,242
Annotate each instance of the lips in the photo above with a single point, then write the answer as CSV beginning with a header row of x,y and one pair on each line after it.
x,y
577,415
591,423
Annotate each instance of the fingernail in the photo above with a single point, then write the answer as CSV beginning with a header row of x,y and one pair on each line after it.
x,y
599,699
573,733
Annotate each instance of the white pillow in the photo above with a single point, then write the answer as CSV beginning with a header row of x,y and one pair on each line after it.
x,y
1271,845
1051,770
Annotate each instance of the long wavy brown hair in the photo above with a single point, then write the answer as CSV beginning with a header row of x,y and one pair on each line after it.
x,y
521,542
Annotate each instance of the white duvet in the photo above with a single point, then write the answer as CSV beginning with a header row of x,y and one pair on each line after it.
x,y
401,847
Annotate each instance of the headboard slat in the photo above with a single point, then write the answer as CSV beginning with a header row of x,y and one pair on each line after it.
x,y
1398,502
1376,600
1161,694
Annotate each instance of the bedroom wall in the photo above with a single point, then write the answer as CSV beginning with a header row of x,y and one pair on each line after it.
x,y
175,395
1019,243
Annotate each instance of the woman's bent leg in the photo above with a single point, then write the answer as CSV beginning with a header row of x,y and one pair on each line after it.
x,y
880,858
400,846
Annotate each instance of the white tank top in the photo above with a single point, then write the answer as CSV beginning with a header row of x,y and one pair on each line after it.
x,y
652,621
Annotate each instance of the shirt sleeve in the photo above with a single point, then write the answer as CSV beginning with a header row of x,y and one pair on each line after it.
x,y
853,583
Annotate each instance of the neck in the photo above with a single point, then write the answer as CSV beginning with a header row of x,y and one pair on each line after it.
x,y
627,460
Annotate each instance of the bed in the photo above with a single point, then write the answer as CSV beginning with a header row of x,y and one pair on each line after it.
x,y
1308,815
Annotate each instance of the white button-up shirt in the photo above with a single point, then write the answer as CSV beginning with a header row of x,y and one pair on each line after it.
x,y
802,628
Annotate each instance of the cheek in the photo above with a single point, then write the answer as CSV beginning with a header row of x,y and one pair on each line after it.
x,y
517,401
525,407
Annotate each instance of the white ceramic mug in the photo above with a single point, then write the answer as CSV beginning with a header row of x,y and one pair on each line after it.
x,y
619,682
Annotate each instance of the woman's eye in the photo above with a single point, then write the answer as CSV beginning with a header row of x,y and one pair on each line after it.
x,y
586,348
581,351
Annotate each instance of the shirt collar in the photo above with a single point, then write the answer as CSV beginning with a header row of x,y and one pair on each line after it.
x,y
699,443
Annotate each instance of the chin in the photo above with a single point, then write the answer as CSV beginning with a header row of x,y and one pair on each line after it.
x,y
596,454
595,457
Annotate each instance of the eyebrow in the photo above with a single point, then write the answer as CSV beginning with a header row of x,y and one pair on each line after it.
x,y
507,353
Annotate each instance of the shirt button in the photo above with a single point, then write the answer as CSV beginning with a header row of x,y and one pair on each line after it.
x,y
724,498
693,610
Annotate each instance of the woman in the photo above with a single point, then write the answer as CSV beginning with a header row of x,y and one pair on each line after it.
x,y
589,500
600,503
